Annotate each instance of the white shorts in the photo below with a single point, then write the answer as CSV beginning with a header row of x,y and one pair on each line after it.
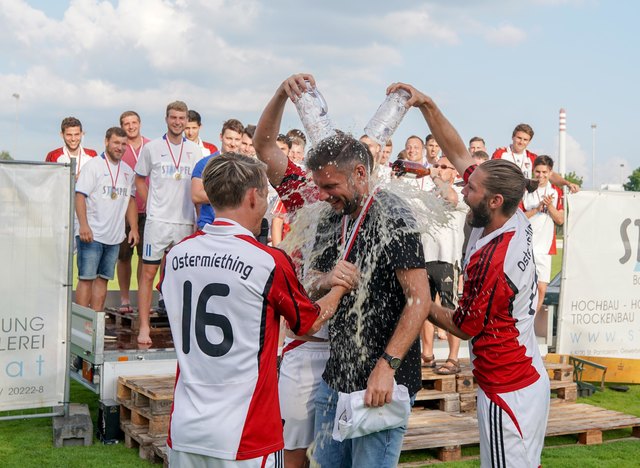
x,y
300,375
160,236
180,459
502,442
543,267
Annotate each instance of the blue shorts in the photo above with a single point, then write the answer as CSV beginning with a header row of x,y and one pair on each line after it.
x,y
96,259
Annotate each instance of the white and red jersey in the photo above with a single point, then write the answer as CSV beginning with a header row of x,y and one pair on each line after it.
x,y
169,197
206,148
98,181
62,155
498,305
131,156
524,161
224,293
544,229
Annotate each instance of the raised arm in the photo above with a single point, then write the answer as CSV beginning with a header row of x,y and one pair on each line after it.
x,y
268,126
444,133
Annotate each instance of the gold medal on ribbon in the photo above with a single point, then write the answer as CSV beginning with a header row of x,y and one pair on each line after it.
x,y
114,195
177,176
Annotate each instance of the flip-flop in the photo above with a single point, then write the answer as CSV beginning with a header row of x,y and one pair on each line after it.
x,y
125,309
447,370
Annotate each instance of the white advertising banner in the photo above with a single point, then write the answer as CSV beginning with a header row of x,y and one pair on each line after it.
x,y
34,253
599,310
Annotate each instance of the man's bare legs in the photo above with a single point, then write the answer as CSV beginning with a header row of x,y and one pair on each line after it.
x,y
123,268
145,293
83,292
426,337
98,294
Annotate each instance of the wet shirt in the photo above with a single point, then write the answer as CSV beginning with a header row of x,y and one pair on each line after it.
x,y
365,321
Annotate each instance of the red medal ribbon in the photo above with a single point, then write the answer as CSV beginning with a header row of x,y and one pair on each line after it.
x,y
113,182
347,243
171,152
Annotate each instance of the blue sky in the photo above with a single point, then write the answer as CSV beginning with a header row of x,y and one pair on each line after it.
x,y
489,64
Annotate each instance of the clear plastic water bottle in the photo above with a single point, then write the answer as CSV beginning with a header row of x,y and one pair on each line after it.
x,y
314,113
388,117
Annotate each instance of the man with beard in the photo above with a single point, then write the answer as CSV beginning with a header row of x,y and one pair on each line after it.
x,y
372,337
104,197
498,304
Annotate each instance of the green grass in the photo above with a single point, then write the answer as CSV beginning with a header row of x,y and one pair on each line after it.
x,y
28,443
563,451
556,263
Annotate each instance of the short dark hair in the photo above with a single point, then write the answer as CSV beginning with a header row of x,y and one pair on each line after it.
x,y
543,160
523,127
505,178
232,124
428,138
226,178
129,113
194,116
249,130
415,137
284,139
477,138
117,131
69,122
341,150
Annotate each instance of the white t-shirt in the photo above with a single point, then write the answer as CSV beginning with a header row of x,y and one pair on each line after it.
x,y
105,215
169,199
544,239
225,293
446,243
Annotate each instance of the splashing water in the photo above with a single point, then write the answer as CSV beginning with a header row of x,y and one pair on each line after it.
x,y
305,244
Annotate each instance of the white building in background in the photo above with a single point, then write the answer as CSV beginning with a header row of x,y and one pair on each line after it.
x,y
612,187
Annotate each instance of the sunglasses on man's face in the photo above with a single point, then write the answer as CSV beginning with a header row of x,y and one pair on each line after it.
x,y
443,166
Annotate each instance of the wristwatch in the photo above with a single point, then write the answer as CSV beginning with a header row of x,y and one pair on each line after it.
x,y
394,362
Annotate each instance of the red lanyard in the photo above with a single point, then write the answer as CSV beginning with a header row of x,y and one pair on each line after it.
x,y
114,194
171,153
347,243
137,155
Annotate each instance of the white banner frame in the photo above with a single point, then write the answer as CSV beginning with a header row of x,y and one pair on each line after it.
x,y
36,244
599,309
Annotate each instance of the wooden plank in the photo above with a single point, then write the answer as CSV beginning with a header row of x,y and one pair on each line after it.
x,y
618,369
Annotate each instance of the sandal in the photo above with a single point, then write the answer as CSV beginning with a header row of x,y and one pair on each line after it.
x,y
125,309
444,369
429,361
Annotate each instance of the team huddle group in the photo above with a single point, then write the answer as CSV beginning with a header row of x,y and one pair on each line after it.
x,y
343,348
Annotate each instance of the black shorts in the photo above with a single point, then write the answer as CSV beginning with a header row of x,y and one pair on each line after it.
x,y
126,251
443,280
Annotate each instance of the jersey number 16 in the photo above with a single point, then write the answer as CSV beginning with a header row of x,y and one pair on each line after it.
x,y
204,319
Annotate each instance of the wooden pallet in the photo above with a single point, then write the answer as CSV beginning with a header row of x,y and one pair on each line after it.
x,y
435,399
146,401
160,448
138,437
433,381
564,390
448,432
130,321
